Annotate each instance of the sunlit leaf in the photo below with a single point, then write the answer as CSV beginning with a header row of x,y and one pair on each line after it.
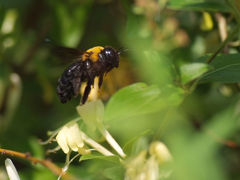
x,y
139,99
190,72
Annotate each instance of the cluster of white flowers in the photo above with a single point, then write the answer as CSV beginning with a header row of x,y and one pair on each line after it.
x,y
71,138
143,167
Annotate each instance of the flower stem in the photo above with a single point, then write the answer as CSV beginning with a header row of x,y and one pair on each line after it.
x,y
96,146
113,143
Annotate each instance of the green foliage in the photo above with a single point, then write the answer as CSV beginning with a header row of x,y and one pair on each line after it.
x,y
190,72
200,151
164,89
226,69
200,5
139,99
70,22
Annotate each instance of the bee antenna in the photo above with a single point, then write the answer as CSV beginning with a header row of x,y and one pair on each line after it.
x,y
121,50
47,40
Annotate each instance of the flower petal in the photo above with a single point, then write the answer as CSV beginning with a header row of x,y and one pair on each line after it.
x,y
11,170
74,138
92,113
161,151
62,139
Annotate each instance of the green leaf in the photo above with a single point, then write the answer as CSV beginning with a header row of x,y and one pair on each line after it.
x,y
115,173
199,5
139,99
128,146
113,159
190,72
226,69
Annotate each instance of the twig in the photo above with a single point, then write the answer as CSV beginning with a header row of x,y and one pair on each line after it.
x,y
228,143
236,13
48,164
223,44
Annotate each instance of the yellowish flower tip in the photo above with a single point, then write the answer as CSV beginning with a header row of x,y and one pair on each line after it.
x,y
207,22
160,151
69,138
84,151
94,93
11,170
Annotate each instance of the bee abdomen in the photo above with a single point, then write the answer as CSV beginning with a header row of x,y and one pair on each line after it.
x,y
66,87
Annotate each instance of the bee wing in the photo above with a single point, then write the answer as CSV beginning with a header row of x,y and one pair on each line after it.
x,y
70,82
65,53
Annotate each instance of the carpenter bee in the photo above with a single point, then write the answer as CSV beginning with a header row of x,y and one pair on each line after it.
x,y
94,62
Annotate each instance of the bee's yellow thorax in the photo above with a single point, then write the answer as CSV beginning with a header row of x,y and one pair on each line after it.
x,y
92,53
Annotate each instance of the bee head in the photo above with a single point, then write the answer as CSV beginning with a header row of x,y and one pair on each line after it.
x,y
109,56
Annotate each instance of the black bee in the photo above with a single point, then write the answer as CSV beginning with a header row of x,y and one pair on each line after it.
x,y
94,62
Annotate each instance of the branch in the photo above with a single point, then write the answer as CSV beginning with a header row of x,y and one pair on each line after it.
x,y
223,44
47,163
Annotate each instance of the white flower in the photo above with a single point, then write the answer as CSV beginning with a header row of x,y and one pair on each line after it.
x,y
70,138
146,166
134,167
11,170
160,151
151,169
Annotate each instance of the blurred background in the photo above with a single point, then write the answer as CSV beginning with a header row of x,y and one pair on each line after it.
x,y
160,38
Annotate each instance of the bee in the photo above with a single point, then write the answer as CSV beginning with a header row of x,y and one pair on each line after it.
x,y
88,65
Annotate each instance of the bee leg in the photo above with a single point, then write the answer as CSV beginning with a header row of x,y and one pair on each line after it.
x,y
100,80
86,92
76,86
